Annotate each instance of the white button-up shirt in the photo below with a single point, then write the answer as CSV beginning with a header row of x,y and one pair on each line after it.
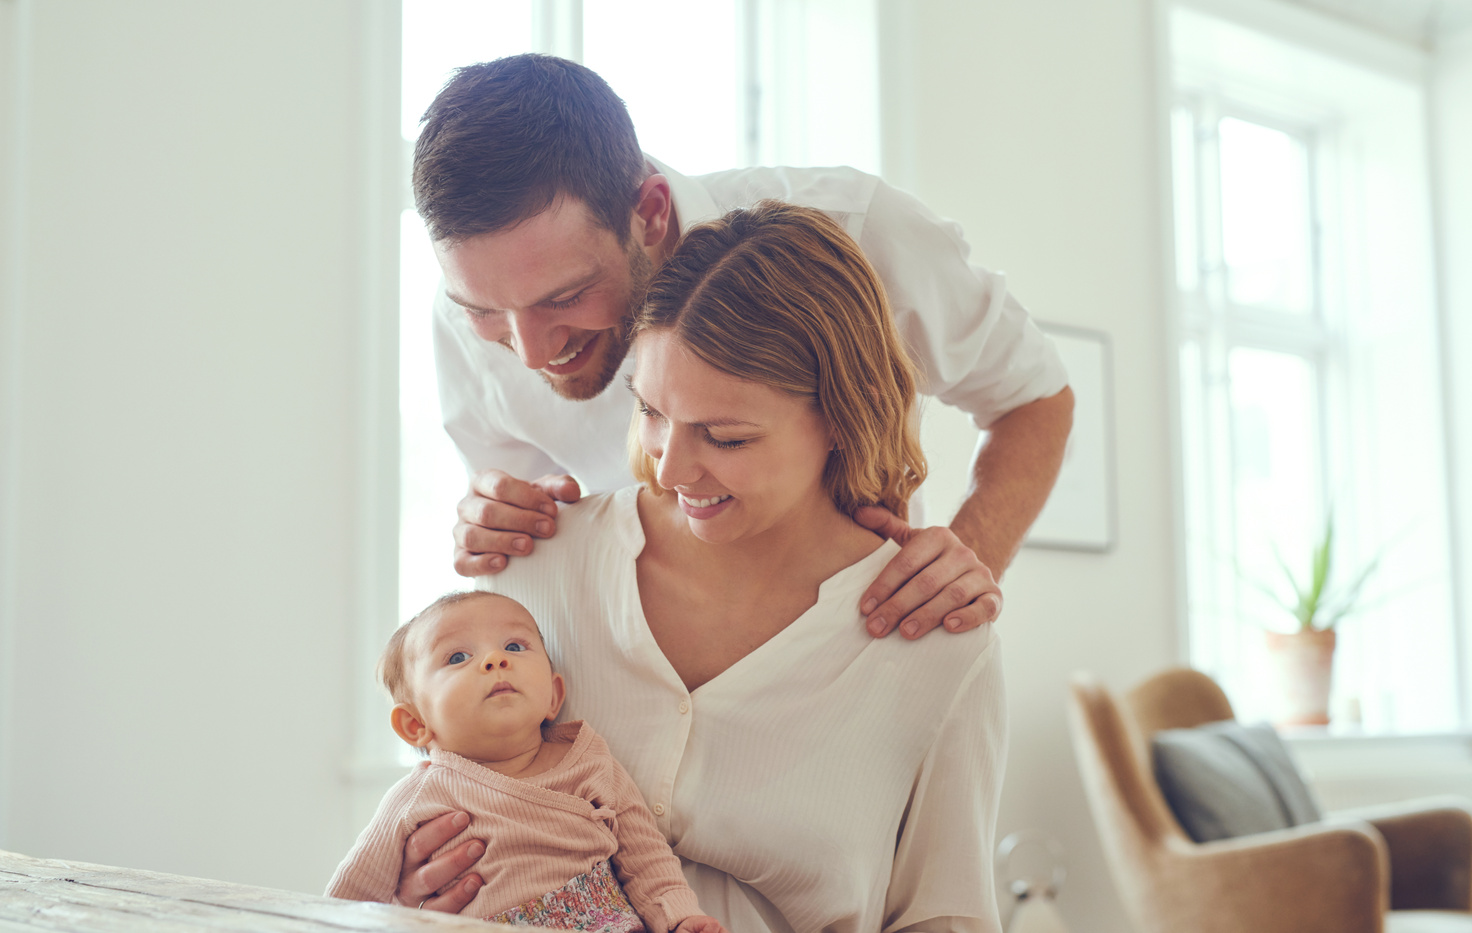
x,y
826,781
974,345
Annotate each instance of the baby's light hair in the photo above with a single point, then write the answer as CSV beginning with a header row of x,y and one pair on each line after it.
x,y
393,665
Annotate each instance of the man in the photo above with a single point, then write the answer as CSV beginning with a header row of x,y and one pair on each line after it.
x,y
549,222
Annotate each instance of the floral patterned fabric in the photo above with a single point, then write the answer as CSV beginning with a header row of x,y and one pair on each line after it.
x,y
592,902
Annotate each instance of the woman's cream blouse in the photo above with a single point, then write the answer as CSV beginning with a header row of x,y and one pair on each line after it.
x,y
826,781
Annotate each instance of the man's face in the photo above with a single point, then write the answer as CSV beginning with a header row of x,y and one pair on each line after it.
x,y
557,289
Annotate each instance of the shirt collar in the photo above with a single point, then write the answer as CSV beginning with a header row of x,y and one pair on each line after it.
x,y
693,204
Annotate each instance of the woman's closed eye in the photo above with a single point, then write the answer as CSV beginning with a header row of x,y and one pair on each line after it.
x,y
727,445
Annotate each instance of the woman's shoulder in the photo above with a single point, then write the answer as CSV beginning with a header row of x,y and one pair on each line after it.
x,y
593,534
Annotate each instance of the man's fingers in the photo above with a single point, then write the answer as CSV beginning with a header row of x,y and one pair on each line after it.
x,y
478,540
923,602
477,565
488,513
883,522
456,898
503,487
559,486
913,558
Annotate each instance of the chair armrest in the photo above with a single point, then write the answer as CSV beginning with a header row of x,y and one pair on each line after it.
x,y
1430,846
1329,876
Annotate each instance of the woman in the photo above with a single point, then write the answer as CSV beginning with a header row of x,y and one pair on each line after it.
x,y
812,777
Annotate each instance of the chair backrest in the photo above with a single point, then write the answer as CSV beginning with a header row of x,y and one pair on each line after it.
x,y
1134,822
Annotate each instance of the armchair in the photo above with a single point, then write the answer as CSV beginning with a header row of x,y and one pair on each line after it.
x,y
1406,869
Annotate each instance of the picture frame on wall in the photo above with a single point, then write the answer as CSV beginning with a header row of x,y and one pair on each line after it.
x,y
1080,513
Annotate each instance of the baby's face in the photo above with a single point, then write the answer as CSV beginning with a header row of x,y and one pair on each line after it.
x,y
481,680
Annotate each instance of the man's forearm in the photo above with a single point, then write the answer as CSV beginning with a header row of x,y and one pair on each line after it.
x,y
1011,479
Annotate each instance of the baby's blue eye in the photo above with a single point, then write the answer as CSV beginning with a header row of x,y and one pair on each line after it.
x,y
516,646
459,657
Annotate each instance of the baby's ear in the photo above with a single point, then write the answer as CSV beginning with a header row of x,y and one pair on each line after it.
x,y
410,727
559,693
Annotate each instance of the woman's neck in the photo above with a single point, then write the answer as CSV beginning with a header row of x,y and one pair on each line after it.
x,y
806,546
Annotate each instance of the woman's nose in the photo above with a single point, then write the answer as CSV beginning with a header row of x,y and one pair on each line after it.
x,y
676,463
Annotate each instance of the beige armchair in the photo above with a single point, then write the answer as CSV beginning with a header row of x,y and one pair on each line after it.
x,y
1403,869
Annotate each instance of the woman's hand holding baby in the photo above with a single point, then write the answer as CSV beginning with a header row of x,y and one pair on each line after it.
x,y
700,924
934,580
421,881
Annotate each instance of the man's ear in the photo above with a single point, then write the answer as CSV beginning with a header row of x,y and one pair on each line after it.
x,y
559,693
410,727
654,211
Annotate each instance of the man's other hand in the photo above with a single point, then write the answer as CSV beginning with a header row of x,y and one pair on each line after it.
x,y
934,580
501,516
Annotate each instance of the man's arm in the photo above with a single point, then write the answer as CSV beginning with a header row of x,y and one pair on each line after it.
x,y
1011,478
948,576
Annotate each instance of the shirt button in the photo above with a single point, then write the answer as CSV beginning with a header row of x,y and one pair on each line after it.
x,y
684,706
659,809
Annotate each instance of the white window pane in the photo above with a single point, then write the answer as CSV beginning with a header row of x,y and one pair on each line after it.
x,y
1266,232
432,477
1276,475
674,63
441,35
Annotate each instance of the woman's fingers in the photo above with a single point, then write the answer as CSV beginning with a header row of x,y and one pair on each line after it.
x,y
456,898
429,881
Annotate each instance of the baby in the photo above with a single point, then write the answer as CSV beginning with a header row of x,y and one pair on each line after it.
x,y
473,687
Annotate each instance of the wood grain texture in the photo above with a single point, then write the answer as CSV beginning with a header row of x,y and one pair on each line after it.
x,y
63,896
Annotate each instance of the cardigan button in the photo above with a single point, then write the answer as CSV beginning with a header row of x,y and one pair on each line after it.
x,y
659,809
684,706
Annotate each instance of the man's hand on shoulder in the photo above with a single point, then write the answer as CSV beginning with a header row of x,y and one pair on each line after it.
x,y
934,580
500,517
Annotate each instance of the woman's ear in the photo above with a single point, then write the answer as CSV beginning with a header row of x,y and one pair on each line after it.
x,y
559,693
410,727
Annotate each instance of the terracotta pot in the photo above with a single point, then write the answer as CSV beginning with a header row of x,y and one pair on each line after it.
x,y
1301,665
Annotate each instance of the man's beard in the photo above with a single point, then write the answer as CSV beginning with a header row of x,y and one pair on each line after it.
x,y
614,342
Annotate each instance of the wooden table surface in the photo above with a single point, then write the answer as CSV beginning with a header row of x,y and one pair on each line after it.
x,y
47,894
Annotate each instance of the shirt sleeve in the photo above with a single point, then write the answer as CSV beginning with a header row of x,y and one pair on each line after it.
x,y
941,879
468,394
975,345
371,870
645,865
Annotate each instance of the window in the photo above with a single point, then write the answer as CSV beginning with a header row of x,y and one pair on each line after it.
x,y
733,83
1308,374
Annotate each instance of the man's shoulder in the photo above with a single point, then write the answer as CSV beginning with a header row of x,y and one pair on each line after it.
x,y
833,189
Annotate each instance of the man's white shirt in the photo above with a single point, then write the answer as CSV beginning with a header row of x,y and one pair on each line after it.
x,y
974,346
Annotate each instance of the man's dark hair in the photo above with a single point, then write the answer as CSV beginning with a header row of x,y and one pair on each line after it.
x,y
504,139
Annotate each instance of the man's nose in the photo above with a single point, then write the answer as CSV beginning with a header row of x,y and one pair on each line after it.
x,y
536,340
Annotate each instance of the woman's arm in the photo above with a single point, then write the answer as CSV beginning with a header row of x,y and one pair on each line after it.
x,y
942,874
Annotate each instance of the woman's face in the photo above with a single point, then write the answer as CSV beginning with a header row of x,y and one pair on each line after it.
x,y
743,458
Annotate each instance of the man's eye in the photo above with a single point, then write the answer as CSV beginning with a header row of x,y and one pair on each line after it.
x,y
559,304
459,657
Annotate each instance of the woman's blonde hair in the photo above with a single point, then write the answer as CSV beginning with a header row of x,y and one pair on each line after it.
x,y
780,295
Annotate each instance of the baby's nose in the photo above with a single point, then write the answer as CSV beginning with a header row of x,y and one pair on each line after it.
x,y
495,661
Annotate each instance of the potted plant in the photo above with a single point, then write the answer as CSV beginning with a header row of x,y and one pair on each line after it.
x,y
1302,660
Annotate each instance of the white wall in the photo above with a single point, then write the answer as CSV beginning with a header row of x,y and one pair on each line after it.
x,y
183,349
1033,125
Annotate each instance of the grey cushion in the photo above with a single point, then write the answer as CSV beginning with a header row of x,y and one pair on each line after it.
x,y
1225,779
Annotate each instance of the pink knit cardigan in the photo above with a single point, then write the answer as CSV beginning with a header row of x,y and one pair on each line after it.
x,y
539,833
